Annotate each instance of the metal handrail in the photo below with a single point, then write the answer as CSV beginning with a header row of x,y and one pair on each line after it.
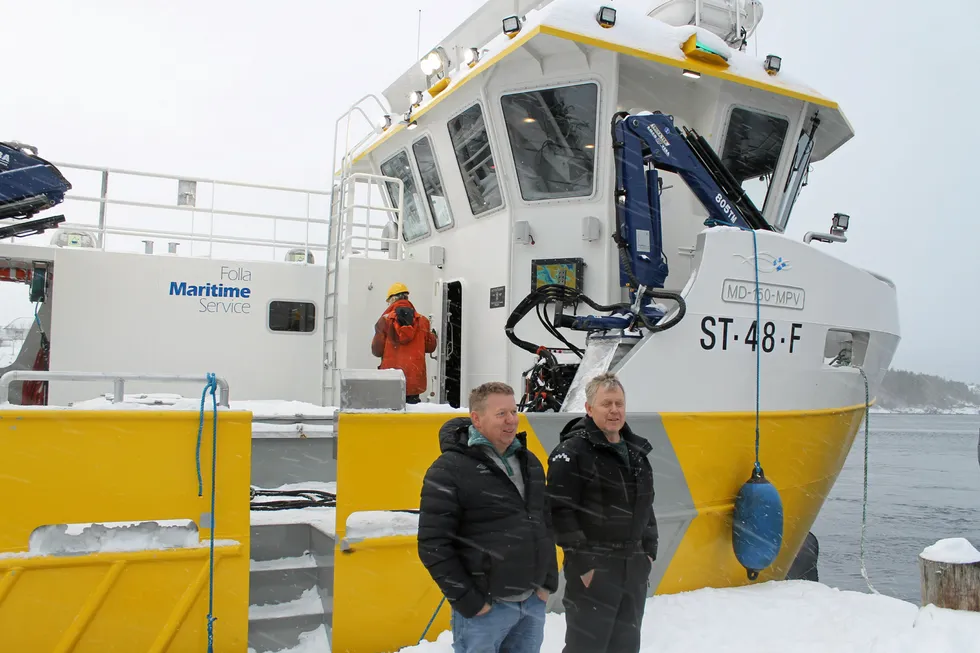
x,y
348,218
119,381
193,209
102,229
203,180
224,240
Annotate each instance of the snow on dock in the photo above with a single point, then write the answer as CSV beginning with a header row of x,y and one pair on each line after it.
x,y
782,617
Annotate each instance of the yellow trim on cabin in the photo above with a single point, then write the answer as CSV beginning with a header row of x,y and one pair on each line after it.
x,y
453,86
710,70
695,65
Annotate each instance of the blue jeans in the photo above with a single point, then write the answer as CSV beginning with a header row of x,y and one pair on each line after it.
x,y
509,627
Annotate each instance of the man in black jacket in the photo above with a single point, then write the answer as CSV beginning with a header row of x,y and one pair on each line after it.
x,y
600,486
485,529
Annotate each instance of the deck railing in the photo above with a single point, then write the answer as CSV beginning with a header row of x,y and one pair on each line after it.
x,y
134,210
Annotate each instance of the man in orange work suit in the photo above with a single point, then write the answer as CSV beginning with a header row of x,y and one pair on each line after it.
x,y
402,338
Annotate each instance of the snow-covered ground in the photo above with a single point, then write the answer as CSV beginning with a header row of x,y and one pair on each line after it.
x,y
968,409
781,617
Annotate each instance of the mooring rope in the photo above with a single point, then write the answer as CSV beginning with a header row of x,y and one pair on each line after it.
x,y
864,503
212,385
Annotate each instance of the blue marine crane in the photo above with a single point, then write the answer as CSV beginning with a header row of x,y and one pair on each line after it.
x,y
643,144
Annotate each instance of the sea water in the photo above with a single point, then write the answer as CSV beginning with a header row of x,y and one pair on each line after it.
x,y
923,486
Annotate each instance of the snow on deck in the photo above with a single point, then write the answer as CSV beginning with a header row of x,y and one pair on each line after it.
x,y
261,409
782,617
954,550
380,523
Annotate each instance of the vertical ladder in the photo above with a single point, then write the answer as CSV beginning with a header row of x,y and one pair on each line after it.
x,y
334,238
340,233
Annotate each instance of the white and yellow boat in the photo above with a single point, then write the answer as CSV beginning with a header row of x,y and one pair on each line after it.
x,y
492,171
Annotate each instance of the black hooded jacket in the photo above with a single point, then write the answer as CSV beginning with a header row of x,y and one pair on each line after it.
x,y
477,537
599,505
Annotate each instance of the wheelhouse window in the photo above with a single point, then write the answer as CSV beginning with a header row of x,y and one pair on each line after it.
x,y
414,225
471,142
753,142
552,134
297,317
425,159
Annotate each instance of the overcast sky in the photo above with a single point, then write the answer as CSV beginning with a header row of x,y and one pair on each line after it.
x,y
250,91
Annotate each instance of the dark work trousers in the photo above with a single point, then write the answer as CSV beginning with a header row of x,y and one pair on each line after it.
x,y
605,617
412,399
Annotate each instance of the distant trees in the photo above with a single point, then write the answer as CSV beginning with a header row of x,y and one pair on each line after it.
x,y
902,389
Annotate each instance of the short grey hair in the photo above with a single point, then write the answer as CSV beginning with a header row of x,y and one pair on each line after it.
x,y
604,381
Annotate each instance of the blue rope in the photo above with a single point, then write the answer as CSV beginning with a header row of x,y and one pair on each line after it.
x,y
211,386
758,349
431,619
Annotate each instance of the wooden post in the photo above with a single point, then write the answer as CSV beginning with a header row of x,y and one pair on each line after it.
x,y
950,573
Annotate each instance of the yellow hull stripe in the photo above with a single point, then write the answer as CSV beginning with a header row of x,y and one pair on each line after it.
x,y
800,453
382,459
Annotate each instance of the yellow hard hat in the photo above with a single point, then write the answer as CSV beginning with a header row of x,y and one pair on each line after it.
x,y
396,289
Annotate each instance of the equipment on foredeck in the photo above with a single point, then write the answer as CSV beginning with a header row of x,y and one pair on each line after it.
x,y
643,143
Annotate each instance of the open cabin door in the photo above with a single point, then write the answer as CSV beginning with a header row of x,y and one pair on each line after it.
x,y
450,350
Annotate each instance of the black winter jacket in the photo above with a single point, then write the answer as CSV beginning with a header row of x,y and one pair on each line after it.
x,y
477,537
599,506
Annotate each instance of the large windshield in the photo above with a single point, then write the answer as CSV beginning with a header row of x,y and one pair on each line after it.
x,y
753,142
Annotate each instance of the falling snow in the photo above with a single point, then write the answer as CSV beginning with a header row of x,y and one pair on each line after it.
x,y
781,617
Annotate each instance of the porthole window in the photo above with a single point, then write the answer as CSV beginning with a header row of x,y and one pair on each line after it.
x,y
296,317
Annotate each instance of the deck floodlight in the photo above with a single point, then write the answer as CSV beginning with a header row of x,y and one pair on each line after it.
x,y
385,122
773,64
838,231
64,238
415,98
412,125
298,255
186,192
606,17
839,223
693,74
471,56
512,25
434,62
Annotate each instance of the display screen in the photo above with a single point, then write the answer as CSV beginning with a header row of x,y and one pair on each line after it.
x,y
564,271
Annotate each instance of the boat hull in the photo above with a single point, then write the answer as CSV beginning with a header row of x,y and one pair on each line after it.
x,y
700,460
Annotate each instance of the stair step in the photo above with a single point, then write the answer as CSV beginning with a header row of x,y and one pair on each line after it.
x,y
274,541
309,603
301,634
314,641
279,586
305,561
277,626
